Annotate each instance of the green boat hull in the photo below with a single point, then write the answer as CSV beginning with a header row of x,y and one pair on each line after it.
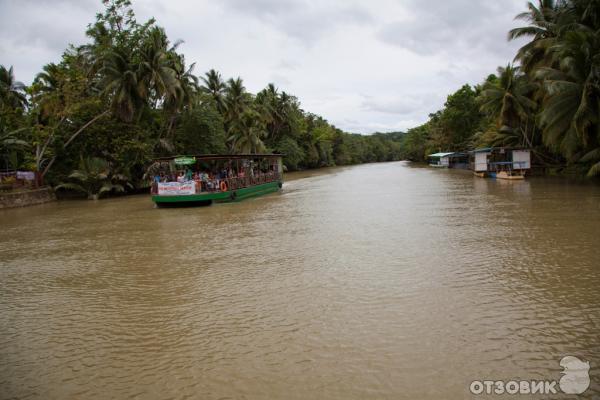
x,y
217,197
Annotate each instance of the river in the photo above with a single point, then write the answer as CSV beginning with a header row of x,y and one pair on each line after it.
x,y
382,281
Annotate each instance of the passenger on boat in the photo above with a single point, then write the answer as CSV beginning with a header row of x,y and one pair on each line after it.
x,y
209,183
181,177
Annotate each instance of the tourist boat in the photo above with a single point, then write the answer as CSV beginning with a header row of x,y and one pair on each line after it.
x,y
211,178
504,170
501,162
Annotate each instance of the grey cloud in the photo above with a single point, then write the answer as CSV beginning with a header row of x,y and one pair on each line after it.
x,y
403,105
49,24
457,26
286,64
306,21
279,79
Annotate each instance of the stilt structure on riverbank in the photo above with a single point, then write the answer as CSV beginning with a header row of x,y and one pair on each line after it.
x,y
456,160
500,162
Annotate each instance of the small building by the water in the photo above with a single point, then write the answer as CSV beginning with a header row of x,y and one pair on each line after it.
x,y
501,162
439,160
449,160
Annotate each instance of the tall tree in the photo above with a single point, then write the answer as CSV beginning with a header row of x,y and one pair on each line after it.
x,y
509,101
571,109
215,87
237,100
545,22
12,92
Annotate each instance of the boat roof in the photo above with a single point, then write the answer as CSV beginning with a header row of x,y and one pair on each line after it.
x,y
492,149
200,157
440,155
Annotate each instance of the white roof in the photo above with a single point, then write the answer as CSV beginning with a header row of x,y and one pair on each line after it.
x,y
440,154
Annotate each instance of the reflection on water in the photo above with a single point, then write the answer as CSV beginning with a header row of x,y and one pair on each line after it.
x,y
375,281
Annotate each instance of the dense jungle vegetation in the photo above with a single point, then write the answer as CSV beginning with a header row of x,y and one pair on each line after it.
x,y
110,106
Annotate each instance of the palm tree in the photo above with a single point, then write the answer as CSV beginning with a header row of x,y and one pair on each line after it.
x,y
46,91
215,87
276,110
12,92
122,84
93,178
546,20
266,102
508,101
570,116
183,96
156,74
246,133
237,101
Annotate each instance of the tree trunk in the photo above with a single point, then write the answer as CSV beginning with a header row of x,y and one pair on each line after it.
x,y
73,136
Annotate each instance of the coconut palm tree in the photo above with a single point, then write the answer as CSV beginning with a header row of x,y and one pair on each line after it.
x,y
237,101
156,73
46,91
247,132
93,178
122,84
508,101
546,20
570,116
12,92
215,87
183,96
276,110
266,102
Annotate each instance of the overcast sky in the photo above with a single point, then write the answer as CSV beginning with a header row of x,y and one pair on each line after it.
x,y
365,66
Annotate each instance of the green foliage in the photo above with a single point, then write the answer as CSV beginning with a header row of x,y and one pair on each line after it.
x,y
415,143
294,155
454,126
128,96
200,130
12,92
94,178
549,103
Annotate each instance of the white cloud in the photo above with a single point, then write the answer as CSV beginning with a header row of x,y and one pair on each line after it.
x,y
363,65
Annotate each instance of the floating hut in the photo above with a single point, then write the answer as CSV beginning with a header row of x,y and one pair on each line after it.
x,y
449,160
501,162
439,160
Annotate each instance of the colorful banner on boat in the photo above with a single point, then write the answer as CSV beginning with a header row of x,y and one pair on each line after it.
x,y
176,188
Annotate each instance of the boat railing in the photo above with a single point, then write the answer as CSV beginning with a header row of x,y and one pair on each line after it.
x,y
239,182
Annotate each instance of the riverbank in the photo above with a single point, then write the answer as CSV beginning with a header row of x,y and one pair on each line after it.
x,y
24,198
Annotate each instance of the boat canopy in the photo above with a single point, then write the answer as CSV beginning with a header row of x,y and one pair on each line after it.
x,y
192,159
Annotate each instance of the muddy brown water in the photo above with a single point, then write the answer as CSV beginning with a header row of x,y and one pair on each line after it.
x,y
381,281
